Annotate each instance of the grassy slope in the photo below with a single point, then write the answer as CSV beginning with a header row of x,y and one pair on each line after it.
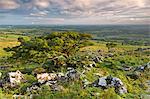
x,y
7,41
75,89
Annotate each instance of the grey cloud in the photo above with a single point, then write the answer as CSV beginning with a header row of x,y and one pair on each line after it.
x,y
84,9
76,7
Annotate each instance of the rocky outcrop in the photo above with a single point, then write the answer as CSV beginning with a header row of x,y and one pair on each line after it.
x,y
52,79
15,78
136,73
109,81
44,77
143,67
69,75
72,74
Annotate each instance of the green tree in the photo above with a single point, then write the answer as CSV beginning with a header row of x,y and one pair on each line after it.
x,y
49,47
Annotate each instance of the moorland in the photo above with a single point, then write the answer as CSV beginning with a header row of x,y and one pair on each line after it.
x,y
81,61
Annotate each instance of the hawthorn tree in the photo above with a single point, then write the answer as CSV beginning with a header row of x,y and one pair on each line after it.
x,y
56,47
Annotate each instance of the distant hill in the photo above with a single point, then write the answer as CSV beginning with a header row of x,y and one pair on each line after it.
x,y
140,34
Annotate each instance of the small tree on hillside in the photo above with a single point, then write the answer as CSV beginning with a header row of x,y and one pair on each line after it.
x,y
49,47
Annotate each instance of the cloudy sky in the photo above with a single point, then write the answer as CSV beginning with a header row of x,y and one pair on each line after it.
x,y
74,12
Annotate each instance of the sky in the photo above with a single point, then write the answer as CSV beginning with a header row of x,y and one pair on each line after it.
x,y
24,12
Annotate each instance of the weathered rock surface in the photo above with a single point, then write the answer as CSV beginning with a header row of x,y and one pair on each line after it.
x,y
109,81
72,74
15,78
136,73
52,79
127,68
143,67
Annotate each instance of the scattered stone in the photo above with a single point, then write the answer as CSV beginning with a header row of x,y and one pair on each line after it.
x,y
44,77
127,68
140,69
57,87
72,74
142,49
33,89
4,67
87,68
92,64
98,74
36,84
116,82
15,78
59,75
133,76
50,83
98,59
143,67
147,65
109,81
110,55
121,90
1,83
102,82
19,97
85,83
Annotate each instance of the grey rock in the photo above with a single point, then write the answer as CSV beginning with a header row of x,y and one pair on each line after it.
x,y
143,67
72,74
33,88
121,90
57,88
50,83
97,59
85,83
127,68
110,55
92,64
1,83
109,81
133,76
